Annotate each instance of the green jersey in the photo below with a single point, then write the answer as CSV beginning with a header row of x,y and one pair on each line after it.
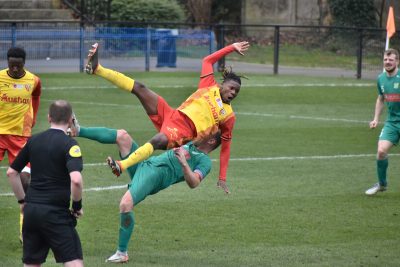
x,y
159,172
389,88
168,164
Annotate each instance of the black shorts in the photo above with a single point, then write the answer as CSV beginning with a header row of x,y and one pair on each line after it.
x,y
49,227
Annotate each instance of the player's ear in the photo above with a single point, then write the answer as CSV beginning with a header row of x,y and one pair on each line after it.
x,y
48,118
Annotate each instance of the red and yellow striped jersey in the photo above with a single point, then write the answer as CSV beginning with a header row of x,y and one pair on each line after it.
x,y
207,111
19,102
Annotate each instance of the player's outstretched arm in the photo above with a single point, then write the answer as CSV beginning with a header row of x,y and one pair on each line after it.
x,y
207,70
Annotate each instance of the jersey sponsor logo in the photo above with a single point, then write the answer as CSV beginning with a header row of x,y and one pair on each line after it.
x,y
18,86
396,85
392,97
173,132
213,109
219,102
75,151
19,100
27,87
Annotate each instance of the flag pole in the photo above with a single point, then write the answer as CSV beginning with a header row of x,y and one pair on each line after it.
x,y
387,42
390,28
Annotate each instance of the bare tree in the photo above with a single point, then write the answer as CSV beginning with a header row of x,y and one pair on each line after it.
x,y
325,17
380,10
200,10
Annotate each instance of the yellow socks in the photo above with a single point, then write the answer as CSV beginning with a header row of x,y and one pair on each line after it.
x,y
115,77
142,153
21,220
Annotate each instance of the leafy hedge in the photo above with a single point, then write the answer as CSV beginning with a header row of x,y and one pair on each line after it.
x,y
147,10
356,13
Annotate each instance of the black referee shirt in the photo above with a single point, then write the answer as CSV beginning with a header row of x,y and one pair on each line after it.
x,y
53,155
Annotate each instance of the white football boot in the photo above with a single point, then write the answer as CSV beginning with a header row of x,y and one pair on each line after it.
x,y
375,189
118,257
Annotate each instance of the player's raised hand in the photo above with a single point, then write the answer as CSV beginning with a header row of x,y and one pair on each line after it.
x,y
222,184
180,154
240,47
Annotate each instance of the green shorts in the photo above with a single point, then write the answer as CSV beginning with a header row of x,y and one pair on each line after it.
x,y
146,179
390,132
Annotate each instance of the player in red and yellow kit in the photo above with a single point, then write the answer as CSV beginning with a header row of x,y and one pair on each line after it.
x,y
204,113
19,103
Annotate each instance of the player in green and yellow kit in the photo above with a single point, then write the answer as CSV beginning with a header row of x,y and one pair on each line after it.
x,y
189,163
388,93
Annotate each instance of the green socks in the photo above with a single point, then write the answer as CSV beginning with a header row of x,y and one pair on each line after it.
x,y
125,230
100,134
382,166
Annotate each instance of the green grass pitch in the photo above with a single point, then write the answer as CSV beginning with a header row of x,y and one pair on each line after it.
x,y
302,157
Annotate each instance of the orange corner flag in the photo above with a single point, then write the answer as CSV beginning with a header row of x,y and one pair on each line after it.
x,y
390,27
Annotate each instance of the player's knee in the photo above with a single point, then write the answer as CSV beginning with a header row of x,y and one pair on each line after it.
x,y
123,138
139,89
126,203
382,154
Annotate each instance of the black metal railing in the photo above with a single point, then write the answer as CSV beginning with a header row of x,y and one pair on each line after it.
x,y
357,50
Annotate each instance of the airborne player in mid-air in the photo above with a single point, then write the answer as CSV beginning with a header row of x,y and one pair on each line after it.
x,y
205,112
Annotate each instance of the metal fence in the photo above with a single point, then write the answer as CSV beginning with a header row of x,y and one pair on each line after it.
x,y
126,46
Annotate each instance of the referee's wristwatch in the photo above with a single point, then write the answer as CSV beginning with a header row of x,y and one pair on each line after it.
x,y
21,201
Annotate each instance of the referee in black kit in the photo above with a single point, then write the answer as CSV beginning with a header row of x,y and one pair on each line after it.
x,y
56,165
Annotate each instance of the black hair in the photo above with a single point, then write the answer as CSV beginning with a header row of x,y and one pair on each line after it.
x,y
228,74
60,111
16,52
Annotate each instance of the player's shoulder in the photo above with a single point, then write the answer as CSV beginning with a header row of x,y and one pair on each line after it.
x,y
71,145
30,75
3,72
381,76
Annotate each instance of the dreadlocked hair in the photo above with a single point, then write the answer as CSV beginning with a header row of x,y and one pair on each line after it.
x,y
228,74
